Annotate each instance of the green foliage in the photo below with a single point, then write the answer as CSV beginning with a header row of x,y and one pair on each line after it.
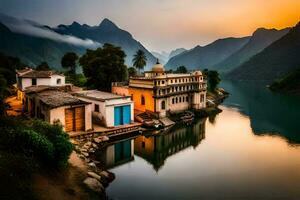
x,y
68,61
132,71
213,79
103,66
139,60
76,79
181,70
48,143
43,66
290,82
8,67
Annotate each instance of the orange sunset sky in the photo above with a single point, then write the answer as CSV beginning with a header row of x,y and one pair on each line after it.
x,y
165,24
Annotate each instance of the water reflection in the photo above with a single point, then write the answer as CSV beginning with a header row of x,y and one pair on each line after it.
x,y
157,148
116,153
269,113
154,148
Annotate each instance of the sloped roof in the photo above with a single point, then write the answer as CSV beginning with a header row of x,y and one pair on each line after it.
x,y
55,99
38,74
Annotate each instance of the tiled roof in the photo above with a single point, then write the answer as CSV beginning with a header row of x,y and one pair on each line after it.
x,y
38,74
55,99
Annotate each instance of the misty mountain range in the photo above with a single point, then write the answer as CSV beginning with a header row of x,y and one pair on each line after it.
x,y
239,58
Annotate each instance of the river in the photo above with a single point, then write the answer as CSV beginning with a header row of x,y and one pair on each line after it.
x,y
249,151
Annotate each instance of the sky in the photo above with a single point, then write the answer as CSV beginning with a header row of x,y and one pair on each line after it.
x,y
164,25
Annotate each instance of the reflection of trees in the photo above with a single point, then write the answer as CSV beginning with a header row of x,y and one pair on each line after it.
x,y
268,112
157,148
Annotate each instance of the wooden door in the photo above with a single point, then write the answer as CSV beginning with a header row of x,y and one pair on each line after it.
x,y
80,118
69,119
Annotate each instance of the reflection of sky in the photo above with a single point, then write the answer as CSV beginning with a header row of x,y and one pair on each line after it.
x,y
167,24
230,162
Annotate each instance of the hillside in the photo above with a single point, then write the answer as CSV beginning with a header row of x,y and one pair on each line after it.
x,y
209,55
177,52
34,50
260,39
275,61
107,32
288,84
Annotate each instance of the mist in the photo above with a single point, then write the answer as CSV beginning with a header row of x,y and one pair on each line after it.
x,y
32,28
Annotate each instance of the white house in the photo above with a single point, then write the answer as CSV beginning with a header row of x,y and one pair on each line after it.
x,y
52,105
29,77
109,109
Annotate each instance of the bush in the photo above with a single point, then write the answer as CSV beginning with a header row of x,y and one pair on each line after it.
x,y
47,142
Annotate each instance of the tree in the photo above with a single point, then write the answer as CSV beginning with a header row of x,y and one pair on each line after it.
x,y
68,61
139,60
103,66
43,66
3,94
131,71
181,70
213,80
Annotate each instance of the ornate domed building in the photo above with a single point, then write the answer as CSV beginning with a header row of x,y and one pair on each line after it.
x,y
162,93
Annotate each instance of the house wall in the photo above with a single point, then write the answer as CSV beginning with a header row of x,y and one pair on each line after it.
x,y
53,80
136,94
59,114
106,108
120,90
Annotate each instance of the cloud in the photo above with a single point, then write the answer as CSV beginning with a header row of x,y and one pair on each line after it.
x,y
34,29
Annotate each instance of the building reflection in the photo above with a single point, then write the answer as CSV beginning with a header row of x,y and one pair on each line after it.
x,y
157,148
116,153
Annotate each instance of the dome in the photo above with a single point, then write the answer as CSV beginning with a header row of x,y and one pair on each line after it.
x,y
158,67
199,73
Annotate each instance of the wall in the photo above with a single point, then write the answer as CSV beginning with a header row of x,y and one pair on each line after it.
x,y
136,93
120,90
59,114
55,77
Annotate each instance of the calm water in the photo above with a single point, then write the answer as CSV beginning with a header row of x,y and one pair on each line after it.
x,y
249,151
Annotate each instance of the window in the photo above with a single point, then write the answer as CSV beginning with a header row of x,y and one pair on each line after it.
x,y
162,82
176,100
171,81
58,81
179,99
187,98
173,100
143,145
131,97
96,108
33,81
142,100
202,98
163,105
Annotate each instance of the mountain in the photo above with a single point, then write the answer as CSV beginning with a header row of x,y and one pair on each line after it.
x,y
275,61
176,52
163,57
209,55
34,50
260,39
107,32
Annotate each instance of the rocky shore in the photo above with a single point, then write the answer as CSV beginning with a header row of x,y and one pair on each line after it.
x,y
97,178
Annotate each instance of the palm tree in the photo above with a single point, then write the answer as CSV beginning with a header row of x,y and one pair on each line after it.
x,y
139,60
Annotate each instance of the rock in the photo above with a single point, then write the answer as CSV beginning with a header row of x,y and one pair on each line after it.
x,y
91,164
94,175
87,145
105,174
93,184
95,145
92,150
97,140
85,154
105,138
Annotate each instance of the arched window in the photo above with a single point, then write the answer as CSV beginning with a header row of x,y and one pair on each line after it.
x,y
142,100
163,105
173,100
176,100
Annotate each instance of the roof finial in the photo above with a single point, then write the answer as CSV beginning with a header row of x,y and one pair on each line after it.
x,y
157,61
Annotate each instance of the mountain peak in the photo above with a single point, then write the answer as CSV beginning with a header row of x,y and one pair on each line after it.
x,y
75,24
107,24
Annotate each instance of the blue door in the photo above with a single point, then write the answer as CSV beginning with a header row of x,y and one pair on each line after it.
x,y
122,115
126,114
118,116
